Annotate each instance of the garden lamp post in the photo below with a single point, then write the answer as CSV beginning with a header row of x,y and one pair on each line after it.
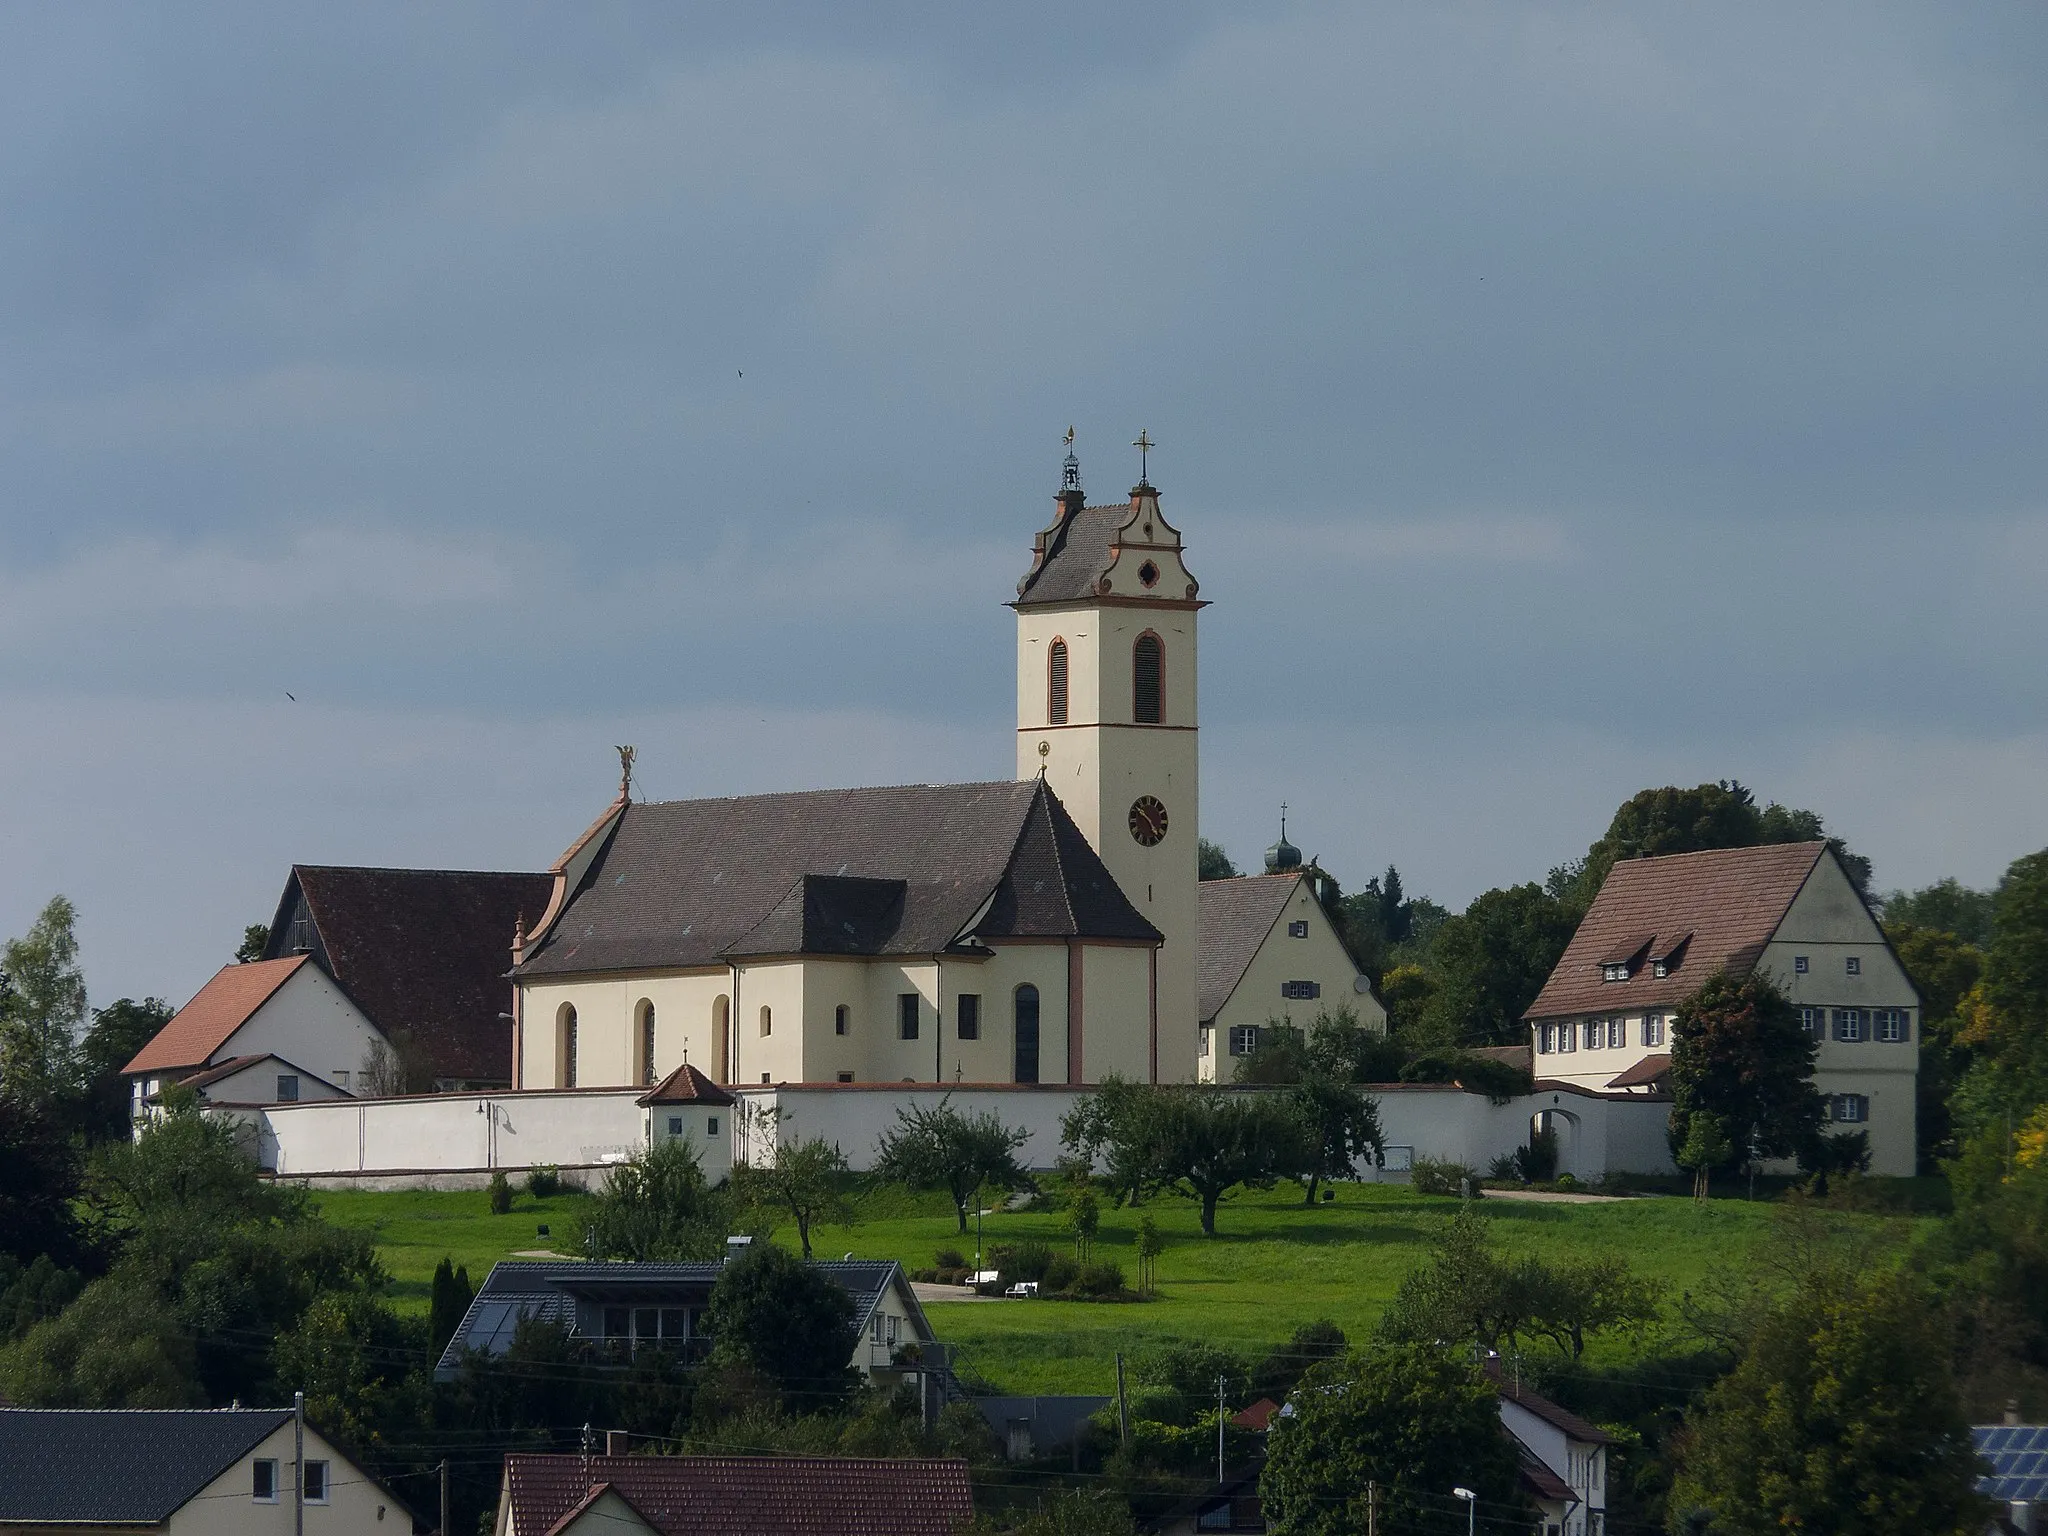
x,y
1471,1508
979,1212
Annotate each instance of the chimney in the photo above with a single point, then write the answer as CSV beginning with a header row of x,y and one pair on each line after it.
x,y
617,1443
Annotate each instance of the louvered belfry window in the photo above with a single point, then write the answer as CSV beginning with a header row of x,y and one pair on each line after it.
x,y
1147,667
1056,684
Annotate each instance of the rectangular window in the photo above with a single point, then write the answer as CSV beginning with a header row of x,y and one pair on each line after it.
x,y
1568,1037
1244,1039
264,1488
1301,990
839,1019
1814,1022
1617,1034
1848,1023
1854,965
967,1012
711,1125
675,1125
1614,972
906,1015
341,1080
1799,964
316,1482
1850,1108
1206,1043
1653,1029
1596,1034
287,1087
1546,1038
1298,929
846,1077
1889,1025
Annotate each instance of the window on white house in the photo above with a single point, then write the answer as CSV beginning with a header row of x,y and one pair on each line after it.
x,y
1848,1023
1546,1039
1301,990
967,1015
1596,1034
1854,964
1617,1033
675,1125
845,1077
1244,1039
767,1020
1615,972
839,1019
1298,929
1799,964
1568,1036
1653,1029
264,1484
1206,1043
906,1015
287,1087
316,1482
341,1079
1889,1025
1849,1108
1814,1021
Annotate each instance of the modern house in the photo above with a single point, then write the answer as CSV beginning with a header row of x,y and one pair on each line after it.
x,y
1660,927
1269,954
271,1031
2017,1456
630,1307
621,1495
185,1471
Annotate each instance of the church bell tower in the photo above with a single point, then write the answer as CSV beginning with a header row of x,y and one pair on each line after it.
x,y
1106,674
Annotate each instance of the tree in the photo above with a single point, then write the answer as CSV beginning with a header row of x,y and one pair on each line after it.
x,y
787,1319
1706,1147
1739,1054
1211,862
657,1206
1118,1126
1490,962
42,1007
940,1148
116,1346
1341,1125
1948,906
1150,1246
39,1180
1407,1424
1842,1415
255,939
448,1301
1208,1143
2004,1019
118,1031
808,1179
1084,1220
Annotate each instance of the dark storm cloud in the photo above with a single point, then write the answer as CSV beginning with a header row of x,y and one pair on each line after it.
x,y
1555,401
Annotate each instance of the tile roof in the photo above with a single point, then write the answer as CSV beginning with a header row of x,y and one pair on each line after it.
x,y
749,1495
1233,919
1537,1478
425,951
1644,1073
1076,552
1258,1416
221,1007
685,1085
119,1466
1535,1402
1730,900
899,870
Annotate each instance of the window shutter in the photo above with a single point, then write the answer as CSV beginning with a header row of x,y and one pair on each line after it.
x,y
1056,684
1146,668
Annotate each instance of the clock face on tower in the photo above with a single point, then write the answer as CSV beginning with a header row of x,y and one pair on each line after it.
x,y
1148,821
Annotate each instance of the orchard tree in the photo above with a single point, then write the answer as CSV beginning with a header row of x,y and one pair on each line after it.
x,y
940,1148
1842,1415
657,1206
1738,1054
1403,1424
808,1179
1208,1143
1341,1126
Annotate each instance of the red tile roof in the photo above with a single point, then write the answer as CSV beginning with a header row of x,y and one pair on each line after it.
x,y
749,1495
685,1085
1544,1409
221,1007
1258,1416
1730,900
1644,1073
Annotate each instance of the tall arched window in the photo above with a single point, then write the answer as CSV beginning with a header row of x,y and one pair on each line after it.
x,y
646,1044
1027,1033
840,1016
767,1020
565,1045
1056,683
1148,680
721,1037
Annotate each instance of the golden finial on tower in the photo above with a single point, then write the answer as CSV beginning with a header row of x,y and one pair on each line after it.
x,y
626,756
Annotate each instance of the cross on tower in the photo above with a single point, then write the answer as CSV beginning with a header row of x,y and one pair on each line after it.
x,y
1144,445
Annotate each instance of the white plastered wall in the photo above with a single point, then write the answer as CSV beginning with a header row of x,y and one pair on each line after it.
x,y
227,1505
607,1014
1319,957
310,1022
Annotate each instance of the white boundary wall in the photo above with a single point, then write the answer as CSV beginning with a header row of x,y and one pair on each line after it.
x,y
458,1140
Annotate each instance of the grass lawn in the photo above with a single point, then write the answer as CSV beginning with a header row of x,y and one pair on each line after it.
x,y
1275,1264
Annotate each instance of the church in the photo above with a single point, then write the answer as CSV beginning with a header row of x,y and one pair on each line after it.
x,y
1046,929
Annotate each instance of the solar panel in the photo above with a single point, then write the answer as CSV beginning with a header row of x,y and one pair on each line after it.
x,y
2018,1454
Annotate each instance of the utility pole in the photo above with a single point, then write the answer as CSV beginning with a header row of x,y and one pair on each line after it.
x,y
444,1496
1123,1404
1219,1431
298,1464
1372,1508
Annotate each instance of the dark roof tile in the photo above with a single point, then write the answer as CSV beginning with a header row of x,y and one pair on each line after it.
x,y
1233,919
118,1466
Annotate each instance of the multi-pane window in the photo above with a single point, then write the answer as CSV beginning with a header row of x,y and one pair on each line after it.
x,y
1617,1033
1596,1034
1888,1024
1148,667
1614,971
906,1015
1849,1108
1244,1039
1814,1021
1546,1039
967,1011
1298,929
1653,1029
1848,1023
1206,1044
1799,964
1568,1036
1056,683
1301,990
1854,965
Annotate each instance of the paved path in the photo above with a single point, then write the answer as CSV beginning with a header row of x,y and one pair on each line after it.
x,y
924,1290
1555,1197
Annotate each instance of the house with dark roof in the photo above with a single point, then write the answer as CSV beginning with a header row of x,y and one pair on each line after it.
x,y
423,953
621,1495
185,1471
266,1032
1661,926
620,1309
924,933
1269,954
1563,1458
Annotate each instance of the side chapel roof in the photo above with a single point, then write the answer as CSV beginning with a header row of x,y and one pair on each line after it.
x,y
1233,918
902,870
216,1011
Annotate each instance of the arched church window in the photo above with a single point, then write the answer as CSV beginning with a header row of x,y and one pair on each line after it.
x,y
646,1044
767,1020
1026,1013
1148,672
1056,683
565,1045
839,1018
721,1037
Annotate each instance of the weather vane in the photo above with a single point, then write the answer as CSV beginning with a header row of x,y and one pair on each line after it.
x,y
626,756
1070,471
1144,445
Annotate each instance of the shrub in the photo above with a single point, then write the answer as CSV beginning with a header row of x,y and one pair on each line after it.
x,y
1060,1274
949,1258
1021,1261
1102,1278
1507,1168
501,1193
1441,1176
544,1181
1537,1162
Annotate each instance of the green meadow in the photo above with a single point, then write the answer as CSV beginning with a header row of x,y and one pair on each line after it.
x,y
1274,1265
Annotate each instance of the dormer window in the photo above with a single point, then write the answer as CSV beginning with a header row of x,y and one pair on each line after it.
x,y
1626,958
1666,957
1617,971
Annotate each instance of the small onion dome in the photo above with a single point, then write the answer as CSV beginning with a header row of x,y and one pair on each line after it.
x,y
1283,855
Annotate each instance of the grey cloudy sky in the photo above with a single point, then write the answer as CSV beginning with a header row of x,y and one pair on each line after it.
x,y
1557,400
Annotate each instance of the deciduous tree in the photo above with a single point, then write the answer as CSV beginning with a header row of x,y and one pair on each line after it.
x,y
808,1179
657,1206
42,1006
1739,1054
787,1319
940,1148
